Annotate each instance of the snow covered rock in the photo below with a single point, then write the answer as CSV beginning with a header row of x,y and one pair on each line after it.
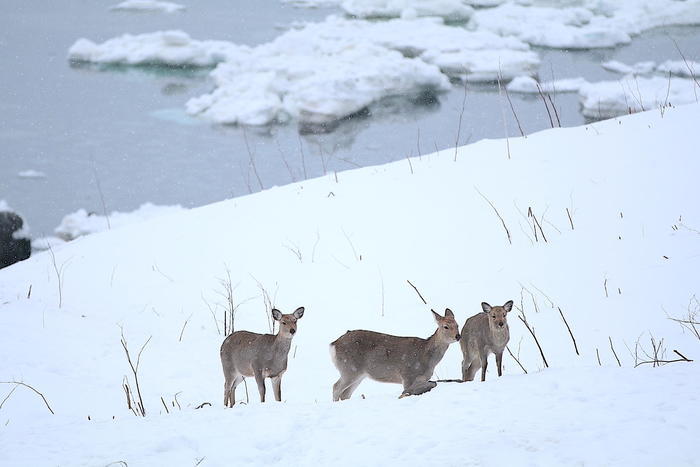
x,y
14,237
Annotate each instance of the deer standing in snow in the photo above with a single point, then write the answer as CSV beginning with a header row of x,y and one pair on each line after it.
x,y
483,334
245,353
391,359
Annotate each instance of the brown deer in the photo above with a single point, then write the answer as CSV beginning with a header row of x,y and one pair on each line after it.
x,y
262,356
483,334
391,359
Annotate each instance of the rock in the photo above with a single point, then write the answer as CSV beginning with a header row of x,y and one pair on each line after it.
x,y
14,242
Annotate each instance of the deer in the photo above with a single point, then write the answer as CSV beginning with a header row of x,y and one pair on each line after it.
x,y
409,361
246,354
483,334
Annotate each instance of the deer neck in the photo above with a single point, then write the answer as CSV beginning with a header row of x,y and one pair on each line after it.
x,y
282,343
436,347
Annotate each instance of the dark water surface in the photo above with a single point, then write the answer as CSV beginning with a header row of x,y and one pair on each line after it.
x,y
127,126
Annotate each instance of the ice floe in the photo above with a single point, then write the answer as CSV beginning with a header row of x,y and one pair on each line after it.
x,y
607,99
81,222
686,68
529,85
31,173
580,24
454,10
640,68
147,5
169,48
326,71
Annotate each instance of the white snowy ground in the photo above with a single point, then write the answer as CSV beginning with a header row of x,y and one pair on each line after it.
x,y
344,250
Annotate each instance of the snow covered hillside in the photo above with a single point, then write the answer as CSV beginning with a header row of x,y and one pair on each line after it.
x,y
600,222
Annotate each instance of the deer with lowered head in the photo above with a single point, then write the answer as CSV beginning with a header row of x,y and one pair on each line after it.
x,y
409,361
483,334
246,354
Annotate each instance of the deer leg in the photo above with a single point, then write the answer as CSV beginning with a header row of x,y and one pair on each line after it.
x,y
347,392
484,363
260,380
232,395
417,387
277,387
471,370
340,387
499,362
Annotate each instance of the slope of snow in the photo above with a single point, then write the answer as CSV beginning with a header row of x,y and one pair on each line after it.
x,y
616,202
147,5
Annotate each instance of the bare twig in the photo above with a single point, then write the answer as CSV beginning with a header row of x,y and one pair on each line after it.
x,y
512,109
613,351
303,162
183,328
503,115
532,332
141,409
516,360
102,198
598,355
416,289
59,274
251,158
505,227
571,222
569,329
20,383
461,115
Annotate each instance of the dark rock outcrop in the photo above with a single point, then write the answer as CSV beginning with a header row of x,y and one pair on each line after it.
x,y
14,244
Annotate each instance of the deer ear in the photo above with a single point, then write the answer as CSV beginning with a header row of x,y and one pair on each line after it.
x,y
436,316
508,306
299,312
276,314
486,307
448,313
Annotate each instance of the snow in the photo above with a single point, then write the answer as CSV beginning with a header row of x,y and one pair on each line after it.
x,y
169,48
529,85
31,173
454,10
585,23
640,68
607,99
148,5
81,222
362,62
630,260
685,68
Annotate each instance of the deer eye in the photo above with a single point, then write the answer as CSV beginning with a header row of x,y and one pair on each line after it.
x,y
446,327
493,316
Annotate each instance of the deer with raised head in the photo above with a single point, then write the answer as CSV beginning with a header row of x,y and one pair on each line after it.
x,y
409,361
483,334
246,354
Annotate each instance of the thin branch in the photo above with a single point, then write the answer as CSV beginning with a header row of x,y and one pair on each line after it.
x,y
570,333
516,360
20,383
532,332
416,289
613,351
461,115
497,213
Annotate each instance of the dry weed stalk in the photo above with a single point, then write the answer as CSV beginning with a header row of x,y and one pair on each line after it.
x,y
23,384
136,406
